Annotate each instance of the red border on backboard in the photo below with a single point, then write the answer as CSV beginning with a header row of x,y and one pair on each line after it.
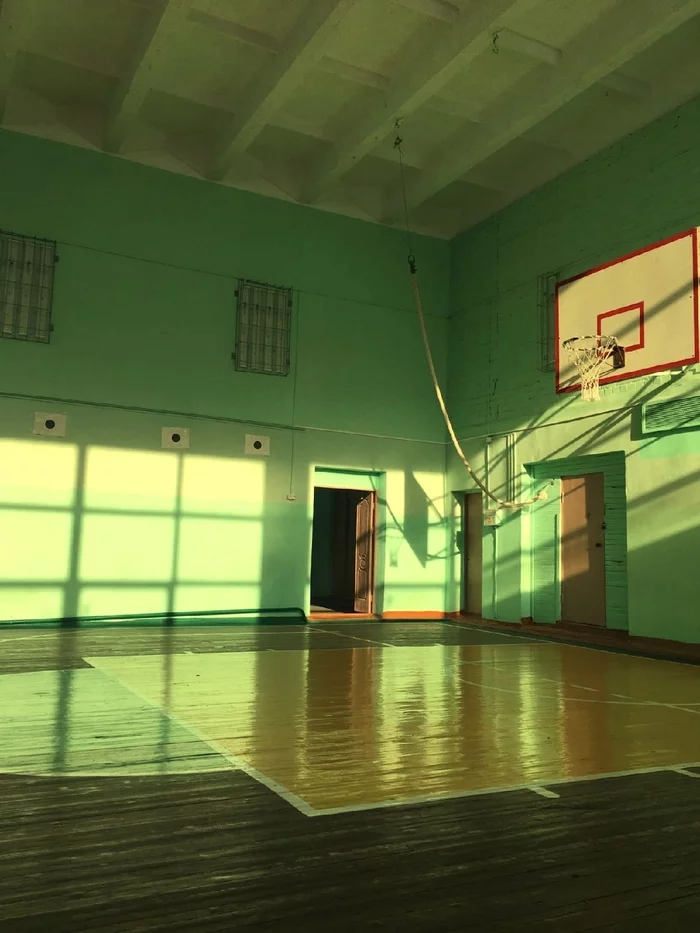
x,y
620,375
638,306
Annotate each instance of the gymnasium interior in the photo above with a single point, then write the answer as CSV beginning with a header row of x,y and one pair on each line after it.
x,y
349,465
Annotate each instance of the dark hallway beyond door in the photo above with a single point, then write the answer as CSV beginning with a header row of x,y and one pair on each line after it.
x,y
342,555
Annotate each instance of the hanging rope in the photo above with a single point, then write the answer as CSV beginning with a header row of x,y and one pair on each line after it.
x,y
504,503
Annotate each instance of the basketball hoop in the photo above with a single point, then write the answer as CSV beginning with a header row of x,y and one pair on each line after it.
x,y
593,357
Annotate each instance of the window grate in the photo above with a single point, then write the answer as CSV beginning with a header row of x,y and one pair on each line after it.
x,y
263,328
26,287
546,301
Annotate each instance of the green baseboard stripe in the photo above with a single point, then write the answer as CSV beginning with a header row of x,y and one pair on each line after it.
x,y
288,615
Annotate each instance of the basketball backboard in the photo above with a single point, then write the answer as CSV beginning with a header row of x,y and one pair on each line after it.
x,y
648,300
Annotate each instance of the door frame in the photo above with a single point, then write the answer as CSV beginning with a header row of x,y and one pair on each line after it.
x,y
464,534
613,467
368,481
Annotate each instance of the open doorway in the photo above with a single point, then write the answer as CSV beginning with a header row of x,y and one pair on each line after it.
x,y
342,551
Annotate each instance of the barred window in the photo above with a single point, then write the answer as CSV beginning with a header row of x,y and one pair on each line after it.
x,y
26,287
263,328
546,303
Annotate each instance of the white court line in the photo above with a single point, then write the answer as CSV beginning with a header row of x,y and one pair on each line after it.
x,y
692,774
484,791
369,641
238,763
543,792
545,696
126,773
542,639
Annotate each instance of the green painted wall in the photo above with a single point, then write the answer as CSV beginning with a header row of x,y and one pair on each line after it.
x,y
632,194
144,317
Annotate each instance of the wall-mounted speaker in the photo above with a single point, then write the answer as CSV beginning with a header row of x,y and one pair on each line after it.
x,y
257,445
48,424
175,438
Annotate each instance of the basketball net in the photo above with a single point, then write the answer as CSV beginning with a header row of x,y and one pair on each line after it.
x,y
591,357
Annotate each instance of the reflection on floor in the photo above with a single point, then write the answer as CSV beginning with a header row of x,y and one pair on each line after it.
x,y
130,826
401,714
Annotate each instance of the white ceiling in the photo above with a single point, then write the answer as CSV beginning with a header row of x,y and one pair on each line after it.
x,y
298,99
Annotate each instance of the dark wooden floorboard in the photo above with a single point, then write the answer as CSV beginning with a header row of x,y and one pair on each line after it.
x,y
216,852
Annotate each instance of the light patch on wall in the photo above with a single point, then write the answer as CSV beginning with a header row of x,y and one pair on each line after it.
x,y
433,487
127,548
219,486
203,597
28,602
219,550
126,480
37,474
393,530
123,600
415,535
34,546
683,444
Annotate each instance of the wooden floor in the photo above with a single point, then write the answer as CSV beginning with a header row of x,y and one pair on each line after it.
x,y
390,776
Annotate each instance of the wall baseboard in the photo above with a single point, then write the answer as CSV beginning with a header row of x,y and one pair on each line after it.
x,y
427,616
592,636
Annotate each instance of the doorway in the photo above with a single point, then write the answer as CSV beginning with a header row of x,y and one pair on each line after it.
x,y
472,553
583,549
342,550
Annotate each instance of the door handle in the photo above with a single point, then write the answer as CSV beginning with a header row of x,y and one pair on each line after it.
x,y
599,545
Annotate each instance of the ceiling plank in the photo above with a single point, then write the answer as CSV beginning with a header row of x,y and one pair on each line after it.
x,y
619,36
627,85
261,40
280,79
435,9
14,16
353,73
420,80
533,48
161,24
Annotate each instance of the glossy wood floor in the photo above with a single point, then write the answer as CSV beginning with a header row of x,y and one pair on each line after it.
x,y
155,779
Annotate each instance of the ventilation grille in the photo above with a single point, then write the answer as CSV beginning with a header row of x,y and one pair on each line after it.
x,y
676,414
26,287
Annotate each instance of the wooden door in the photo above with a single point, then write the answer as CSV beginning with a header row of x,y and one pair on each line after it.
x,y
583,549
364,551
472,553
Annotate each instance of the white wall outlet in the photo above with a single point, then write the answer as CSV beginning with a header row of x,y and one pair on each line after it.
x,y
175,438
492,517
257,445
48,424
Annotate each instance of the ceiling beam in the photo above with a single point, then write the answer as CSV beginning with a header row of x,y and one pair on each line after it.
x,y
435,9
420,79
162,22
13,18
279,79
607,45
